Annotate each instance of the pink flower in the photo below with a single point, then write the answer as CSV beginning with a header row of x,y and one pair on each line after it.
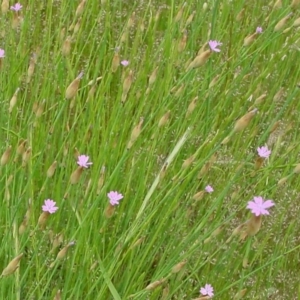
x,y
2,53
16,7
207,290
83,161
213,46
125,63
209,189
49,206
114,197
259,206
259,30
263,151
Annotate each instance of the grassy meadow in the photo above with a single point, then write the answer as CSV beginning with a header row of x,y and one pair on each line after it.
x,y
172,102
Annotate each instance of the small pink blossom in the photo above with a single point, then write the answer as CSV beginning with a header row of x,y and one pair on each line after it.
x,y
2,53
259,206
263,151
259,30
209,189
213,46
49,206
125,63
114,197
16,7
83,161
207,290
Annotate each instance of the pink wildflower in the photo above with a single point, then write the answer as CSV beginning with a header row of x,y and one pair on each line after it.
x,y
114,197
209,189
263,151
207,290
213,46
83,161
259,30
49,206
259,206
2,53
16,7
125,63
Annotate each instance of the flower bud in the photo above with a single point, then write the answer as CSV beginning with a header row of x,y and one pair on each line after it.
x,y
109,211
182,43
57,295
164,119
51,170
177,268
190,19
5,156
66,48
5,6
240,294
152,286
75,176
101,180
188,162
26,156
115,62
80,8
277,4
43,219
250,39
295,3
13,100
253,225
12,266
72,89
126,86
244,121
199,60
21,147
179,14
240,16
279,26
191,107
199,196
135,133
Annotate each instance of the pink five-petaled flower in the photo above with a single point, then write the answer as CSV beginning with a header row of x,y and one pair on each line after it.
x,y
83,161
263,151
125,63
16,7
260,207
114,197
207,290
258,30
2,53
49,206
213,46
209,189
